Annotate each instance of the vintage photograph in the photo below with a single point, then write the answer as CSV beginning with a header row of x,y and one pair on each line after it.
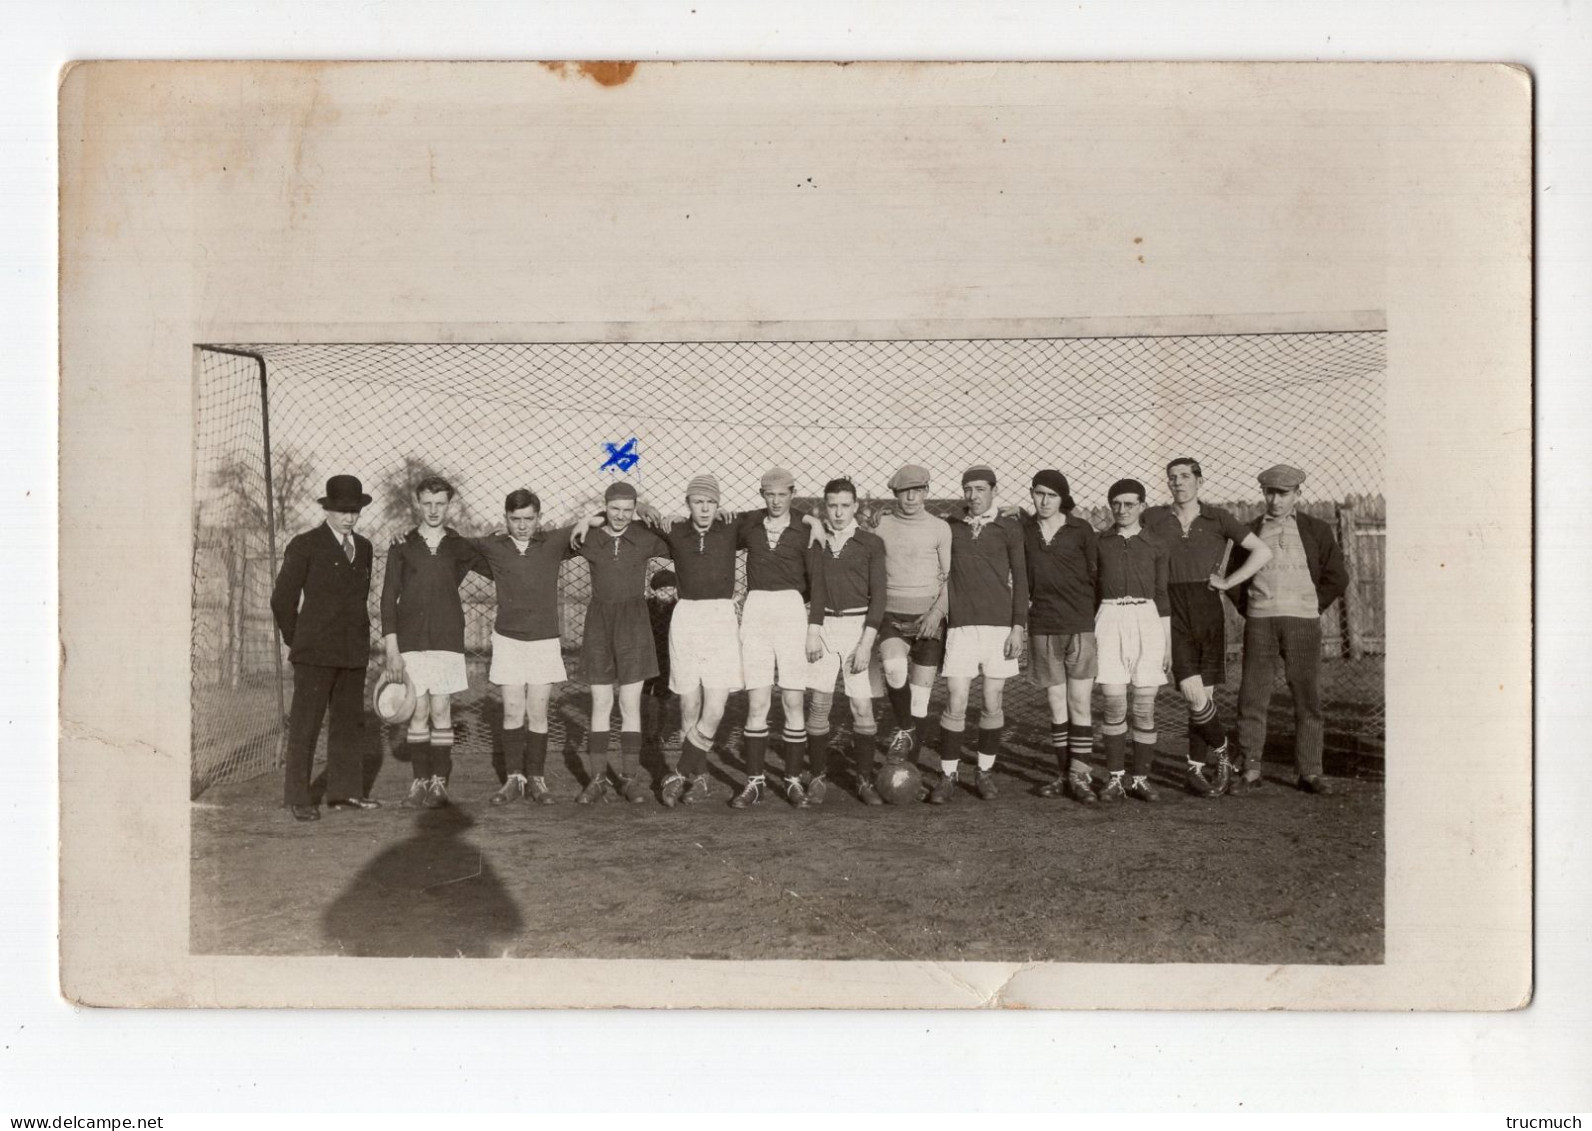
x,y
739,536
993,643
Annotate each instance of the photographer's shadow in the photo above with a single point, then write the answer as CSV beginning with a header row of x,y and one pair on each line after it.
x,y
434,895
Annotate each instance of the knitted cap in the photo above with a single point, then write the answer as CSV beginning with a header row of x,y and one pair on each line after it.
x,y
1282,477
619,490
1126,487
777,479
977,472
908,477
704,485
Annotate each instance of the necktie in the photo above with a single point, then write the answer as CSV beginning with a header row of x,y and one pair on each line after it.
x,y
348,547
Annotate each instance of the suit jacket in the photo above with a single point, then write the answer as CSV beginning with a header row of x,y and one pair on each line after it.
x,y
319,600
1322,555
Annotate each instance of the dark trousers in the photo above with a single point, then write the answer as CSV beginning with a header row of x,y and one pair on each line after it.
x,y
1297,642
314,690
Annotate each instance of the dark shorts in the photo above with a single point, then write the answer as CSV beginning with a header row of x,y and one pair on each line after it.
x,y
1056,657
617,645
1199,633
924,652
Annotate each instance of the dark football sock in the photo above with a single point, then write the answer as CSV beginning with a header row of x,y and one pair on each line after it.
x,y
901,704
756,750
535,753
1058,745
865,749
630,752
514,751
1116,743
597,753
818,753
795,752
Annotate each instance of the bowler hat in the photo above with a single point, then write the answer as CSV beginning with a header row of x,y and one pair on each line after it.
x,y
394,702
344,493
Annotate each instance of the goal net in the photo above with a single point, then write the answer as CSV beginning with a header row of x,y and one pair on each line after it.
x,y
566,418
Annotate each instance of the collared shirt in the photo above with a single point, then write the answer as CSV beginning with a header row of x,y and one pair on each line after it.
x,y
1062,571
1196,550
1134,566
619,563
526,576
704,560
788,563
1283,587
989,574
420,593
836,540
853,578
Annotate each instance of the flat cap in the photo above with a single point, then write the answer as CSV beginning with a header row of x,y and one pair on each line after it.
x,y
908,477
1282,477
979,471
619,489
777,479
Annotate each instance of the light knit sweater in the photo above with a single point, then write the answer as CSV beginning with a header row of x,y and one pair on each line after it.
x,y
917,562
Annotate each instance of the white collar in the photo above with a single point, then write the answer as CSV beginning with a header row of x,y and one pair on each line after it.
x,y
838,538
772,523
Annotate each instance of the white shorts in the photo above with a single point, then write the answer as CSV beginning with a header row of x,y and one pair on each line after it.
x,y
1131,645
436,672
978,647
774,639
518,662
840,635
704,646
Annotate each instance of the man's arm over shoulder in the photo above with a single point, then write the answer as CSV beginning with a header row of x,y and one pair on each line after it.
x,y
289,586
1017,554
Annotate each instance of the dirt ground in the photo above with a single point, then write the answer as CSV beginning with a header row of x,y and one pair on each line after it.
x,y
1274,877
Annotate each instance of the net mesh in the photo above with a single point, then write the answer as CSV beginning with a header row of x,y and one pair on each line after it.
x,y
565,419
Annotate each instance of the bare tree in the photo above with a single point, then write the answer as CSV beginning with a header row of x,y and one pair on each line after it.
x,y
395,495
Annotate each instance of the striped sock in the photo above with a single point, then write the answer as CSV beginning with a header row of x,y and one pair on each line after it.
x,y
795,752
1058,744
1080,745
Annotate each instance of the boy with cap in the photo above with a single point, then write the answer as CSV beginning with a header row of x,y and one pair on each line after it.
x,y
1282,605
1133,631
917,564
1197,536
988,617
852,566
1063,556
422,622
704,637
779,637
318,602
617,647
527,658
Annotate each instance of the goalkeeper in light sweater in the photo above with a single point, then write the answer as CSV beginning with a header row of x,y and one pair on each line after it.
x,y
911,646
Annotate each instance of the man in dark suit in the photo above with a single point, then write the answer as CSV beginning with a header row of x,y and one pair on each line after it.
x,y
1282,606
320,607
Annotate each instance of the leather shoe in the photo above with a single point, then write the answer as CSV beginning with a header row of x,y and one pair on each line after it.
x,y
1317,784
353,803
1057,788
984,782
305,812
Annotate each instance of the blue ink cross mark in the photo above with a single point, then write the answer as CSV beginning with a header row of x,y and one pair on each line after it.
x,y
623,456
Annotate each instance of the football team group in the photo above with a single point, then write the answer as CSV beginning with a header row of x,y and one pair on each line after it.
x,y
835,597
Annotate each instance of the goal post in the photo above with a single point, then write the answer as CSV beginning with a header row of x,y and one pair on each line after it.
x,y
1099,399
